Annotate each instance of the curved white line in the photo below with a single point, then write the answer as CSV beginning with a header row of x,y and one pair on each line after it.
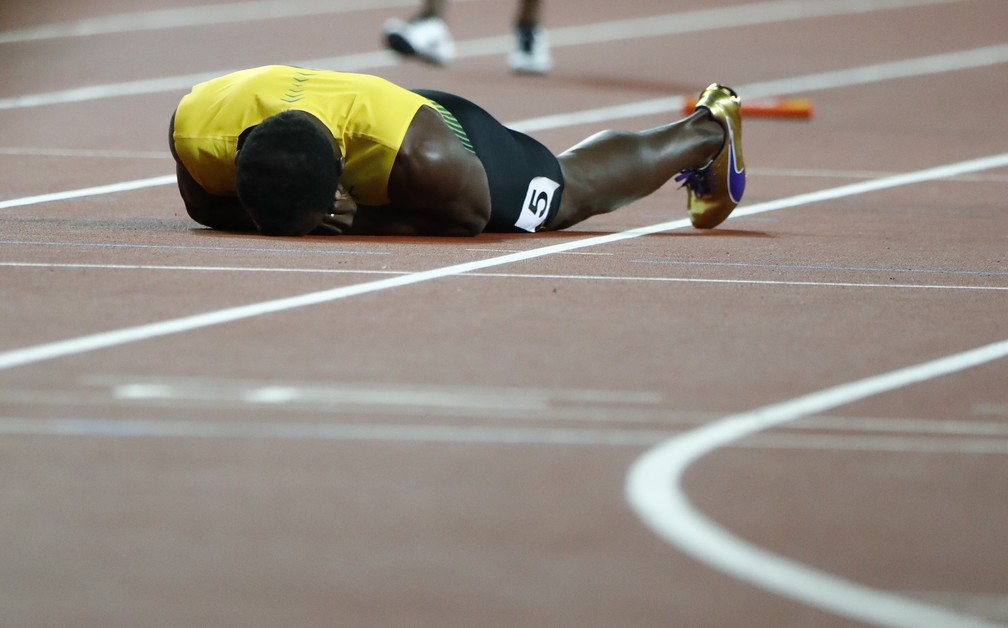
x,y
654,490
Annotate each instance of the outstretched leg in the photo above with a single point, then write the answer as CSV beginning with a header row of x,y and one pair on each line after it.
x,y
614,168
425,37
432,8
531,51
528,13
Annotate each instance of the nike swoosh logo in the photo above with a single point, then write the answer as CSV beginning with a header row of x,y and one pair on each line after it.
x,y
736,177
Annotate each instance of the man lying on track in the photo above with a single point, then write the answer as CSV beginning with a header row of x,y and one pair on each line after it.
x,y
292,151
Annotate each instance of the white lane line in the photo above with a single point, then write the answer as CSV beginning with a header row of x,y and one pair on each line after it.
x,y
466,434
623,278
922,270
140,88
141,428
818,81
206,269
860,174
654,490
77,153
877,443
641,408
343,394
938,427
734,16
278,249
660,25
92,191
260,10
84,344
884,435
875,185
198,16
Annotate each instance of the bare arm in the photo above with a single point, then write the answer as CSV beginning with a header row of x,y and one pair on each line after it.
x,y
437,187
217,212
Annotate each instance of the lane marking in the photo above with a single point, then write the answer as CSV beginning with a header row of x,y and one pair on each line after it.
x,y
735,16
830,267
92,191
188,17
94,342
874,425
860,174
468,434
358,393
641,408
654,490
279,249
215,405
653,26
142,428
875,185
625,278
834,79
205,269
992,409
878,443
77,153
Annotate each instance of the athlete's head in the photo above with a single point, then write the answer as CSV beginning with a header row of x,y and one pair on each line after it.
x,y
287,173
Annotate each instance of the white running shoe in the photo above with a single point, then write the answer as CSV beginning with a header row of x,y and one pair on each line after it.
x,y
426,38
531,53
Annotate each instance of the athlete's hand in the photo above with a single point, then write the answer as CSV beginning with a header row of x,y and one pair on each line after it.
x,y
339,219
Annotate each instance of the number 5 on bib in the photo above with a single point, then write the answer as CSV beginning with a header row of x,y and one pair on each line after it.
x,y
537,203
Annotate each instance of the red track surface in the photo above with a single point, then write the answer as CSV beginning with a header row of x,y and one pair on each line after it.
x,y
454,452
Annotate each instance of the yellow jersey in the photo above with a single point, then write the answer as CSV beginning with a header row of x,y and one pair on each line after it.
x,y
367,115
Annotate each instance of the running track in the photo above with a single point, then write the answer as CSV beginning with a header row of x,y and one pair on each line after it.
x,y
799,418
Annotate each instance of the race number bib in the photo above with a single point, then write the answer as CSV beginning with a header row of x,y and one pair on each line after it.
x,y
537,203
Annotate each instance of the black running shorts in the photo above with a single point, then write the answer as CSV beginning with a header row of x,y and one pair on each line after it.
x,y
525,178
